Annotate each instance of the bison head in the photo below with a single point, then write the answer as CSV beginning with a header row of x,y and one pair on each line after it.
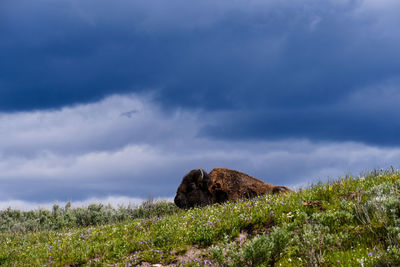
x,y
193,190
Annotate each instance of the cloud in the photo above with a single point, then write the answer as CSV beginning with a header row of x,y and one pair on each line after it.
x,y
365,115
108,100
270,62
101,126
46,155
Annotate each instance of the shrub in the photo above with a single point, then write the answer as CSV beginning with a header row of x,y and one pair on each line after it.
x,y
67,217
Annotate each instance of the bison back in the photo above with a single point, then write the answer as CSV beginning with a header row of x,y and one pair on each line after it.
x,y
229,184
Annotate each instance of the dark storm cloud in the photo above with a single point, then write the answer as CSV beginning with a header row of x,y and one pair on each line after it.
x,y
283,69
367,115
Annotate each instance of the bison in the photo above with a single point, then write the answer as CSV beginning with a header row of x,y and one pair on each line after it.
x,y
198,188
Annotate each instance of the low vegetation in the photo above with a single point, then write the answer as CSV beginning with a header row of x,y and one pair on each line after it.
x,y
65,218
346,222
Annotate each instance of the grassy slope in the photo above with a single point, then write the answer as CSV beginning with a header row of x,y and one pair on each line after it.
x,y
347,222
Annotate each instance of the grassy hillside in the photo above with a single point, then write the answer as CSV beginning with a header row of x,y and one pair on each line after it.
x,y
347,222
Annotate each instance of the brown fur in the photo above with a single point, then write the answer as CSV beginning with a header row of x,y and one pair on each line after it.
x,y
199,188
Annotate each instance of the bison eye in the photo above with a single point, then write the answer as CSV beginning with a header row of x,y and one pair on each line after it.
x,y
192,186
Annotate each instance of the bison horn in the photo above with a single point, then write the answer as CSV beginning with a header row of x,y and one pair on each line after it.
x,y
202,175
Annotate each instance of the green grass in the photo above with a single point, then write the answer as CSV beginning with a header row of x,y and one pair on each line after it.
x,y
346,222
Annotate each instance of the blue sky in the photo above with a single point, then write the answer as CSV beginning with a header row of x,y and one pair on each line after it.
x,y
102,100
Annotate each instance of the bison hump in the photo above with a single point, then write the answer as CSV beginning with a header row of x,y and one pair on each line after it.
x,y
233,184
233,177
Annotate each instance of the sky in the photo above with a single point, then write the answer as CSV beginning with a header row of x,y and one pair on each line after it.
x,y
114,102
